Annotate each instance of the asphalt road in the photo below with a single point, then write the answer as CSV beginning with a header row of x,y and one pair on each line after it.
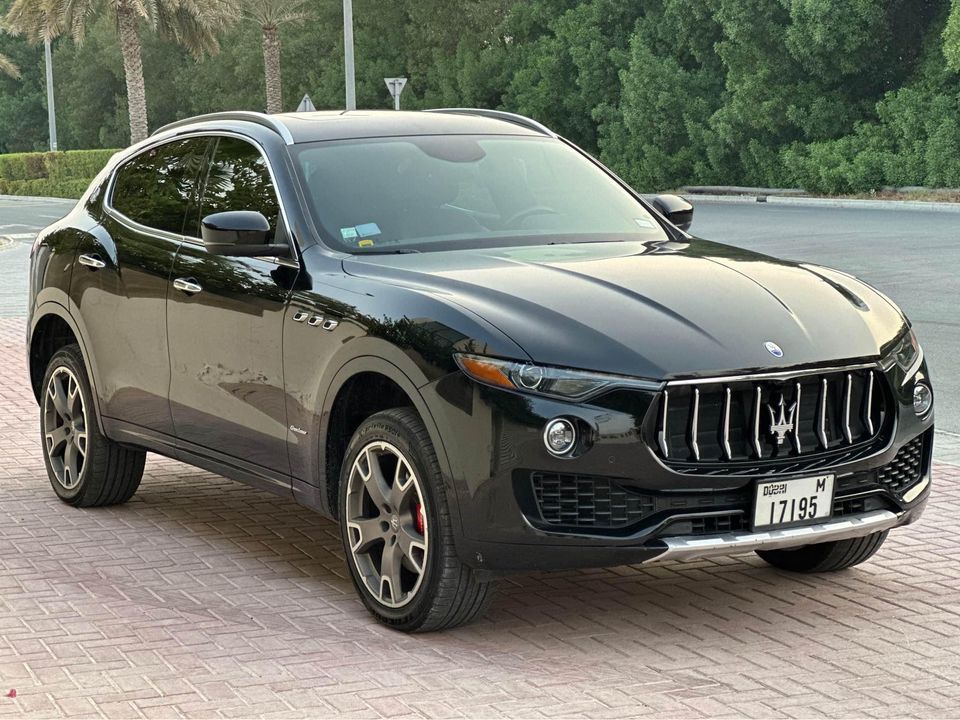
x,y
22,215
19,221
911,255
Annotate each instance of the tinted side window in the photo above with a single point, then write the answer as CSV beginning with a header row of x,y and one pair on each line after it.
x,y
238,179
155,187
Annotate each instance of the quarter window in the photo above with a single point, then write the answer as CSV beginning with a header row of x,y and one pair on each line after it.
x,y
155,187
239,179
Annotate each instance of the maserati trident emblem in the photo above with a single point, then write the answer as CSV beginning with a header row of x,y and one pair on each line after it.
x,y
783,422
773,349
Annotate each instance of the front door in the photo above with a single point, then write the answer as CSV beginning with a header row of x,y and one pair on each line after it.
x,y
119,284
225,323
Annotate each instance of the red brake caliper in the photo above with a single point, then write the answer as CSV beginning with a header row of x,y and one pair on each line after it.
x,y
418,517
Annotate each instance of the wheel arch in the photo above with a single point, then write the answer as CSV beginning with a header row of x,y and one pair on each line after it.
x,y
386,383
53,327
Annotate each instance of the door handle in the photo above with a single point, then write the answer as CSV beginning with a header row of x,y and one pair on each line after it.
x,y
187,285
92,261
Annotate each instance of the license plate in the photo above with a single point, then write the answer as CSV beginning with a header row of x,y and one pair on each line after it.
x,y
792,502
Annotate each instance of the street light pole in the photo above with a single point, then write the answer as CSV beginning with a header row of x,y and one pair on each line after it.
x,y
51,111
351,80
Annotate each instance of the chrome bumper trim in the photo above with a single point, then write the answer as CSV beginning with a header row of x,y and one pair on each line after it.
x,y
686,548
914,492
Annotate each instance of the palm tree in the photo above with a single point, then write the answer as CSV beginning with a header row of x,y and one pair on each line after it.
x,y
7,67
191,23
270,15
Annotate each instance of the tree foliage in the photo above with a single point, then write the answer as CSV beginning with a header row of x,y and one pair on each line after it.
x,y
8,67
192,24
833,95
270,16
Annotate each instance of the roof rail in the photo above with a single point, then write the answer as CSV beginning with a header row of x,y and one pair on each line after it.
x,y
241,115
500,115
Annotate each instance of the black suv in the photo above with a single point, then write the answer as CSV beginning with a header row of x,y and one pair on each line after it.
x,y
474,347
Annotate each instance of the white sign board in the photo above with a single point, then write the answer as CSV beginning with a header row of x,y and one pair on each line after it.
x,y
306,105
395,86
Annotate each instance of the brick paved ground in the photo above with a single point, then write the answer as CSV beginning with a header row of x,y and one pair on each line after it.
x,y
205,598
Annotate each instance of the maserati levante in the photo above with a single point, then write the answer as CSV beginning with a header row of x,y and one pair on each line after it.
x,y
473,347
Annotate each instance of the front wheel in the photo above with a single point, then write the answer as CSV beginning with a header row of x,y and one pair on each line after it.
x,y
396,529
825,557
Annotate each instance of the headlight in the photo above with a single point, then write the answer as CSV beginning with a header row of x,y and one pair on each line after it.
x,y
544,380
906,354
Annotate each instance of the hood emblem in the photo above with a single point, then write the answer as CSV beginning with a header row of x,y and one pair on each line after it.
x,y
773,349
783,422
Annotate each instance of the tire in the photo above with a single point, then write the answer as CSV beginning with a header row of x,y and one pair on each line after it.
x,y
379,519
85,468
826,557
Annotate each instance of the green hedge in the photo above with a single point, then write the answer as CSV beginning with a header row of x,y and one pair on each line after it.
x,y
53,174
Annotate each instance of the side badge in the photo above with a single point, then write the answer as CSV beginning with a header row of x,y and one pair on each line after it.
x,y
773,349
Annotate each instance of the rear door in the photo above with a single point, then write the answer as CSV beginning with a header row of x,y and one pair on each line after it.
x,y
119,285
225,322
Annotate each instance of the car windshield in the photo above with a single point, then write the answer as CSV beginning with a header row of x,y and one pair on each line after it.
x,y
423,193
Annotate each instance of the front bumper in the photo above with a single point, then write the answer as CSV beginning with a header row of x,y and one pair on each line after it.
x,y
496,447
499,558
688,548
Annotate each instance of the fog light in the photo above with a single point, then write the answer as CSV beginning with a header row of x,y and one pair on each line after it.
x,y
559,436
922,398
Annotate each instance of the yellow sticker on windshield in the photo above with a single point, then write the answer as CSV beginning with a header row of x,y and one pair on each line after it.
x,y
366,242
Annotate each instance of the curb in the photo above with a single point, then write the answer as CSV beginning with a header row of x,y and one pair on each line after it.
x,y
741,190
36,198
824,202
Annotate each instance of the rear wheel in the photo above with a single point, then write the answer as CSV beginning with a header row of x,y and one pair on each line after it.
x,y
825,557
85,468
396,529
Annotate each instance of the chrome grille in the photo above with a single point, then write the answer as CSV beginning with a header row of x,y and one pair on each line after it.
x,y
777,423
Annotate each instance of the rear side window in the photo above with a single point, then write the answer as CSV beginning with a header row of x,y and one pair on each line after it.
x,y
238,179
155,187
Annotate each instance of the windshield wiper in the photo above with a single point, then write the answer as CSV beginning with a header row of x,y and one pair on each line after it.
x,y
398,251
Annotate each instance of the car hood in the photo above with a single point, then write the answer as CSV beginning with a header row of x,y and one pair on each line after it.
x,y
655,310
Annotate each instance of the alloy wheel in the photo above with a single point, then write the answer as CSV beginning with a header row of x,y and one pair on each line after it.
x,y
386,524
65,427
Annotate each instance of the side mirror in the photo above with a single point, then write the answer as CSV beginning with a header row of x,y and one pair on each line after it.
x,y
241,233
675,209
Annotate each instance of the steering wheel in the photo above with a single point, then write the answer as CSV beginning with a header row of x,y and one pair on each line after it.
x,y
528,212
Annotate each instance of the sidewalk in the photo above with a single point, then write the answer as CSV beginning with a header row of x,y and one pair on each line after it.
x,y
748,198
828,202
946,448
206,598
